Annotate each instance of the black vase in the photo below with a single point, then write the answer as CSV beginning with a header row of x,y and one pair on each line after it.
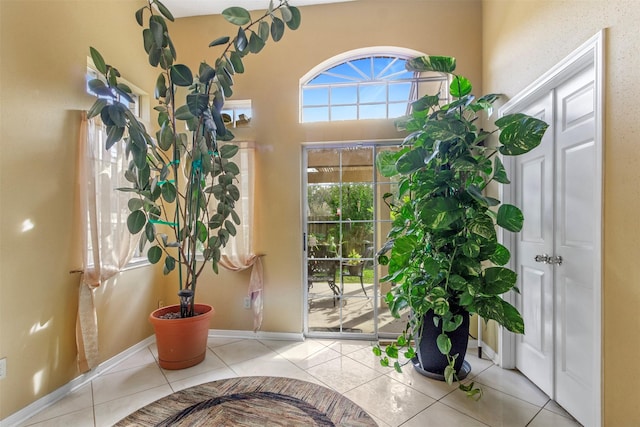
x,y
429,361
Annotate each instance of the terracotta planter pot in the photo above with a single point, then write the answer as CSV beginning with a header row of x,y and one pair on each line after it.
x,y
182,343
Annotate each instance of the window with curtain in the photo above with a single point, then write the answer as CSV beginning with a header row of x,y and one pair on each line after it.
x,y
108,245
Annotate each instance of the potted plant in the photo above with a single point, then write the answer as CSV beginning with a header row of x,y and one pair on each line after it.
x,y
354,261
443,255
179,175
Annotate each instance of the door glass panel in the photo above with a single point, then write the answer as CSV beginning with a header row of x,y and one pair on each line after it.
x,y
346,223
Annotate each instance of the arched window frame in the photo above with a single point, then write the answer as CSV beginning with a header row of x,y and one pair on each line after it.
x,y
421,84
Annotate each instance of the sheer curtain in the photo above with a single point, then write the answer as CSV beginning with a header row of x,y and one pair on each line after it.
x,y
238,254
107,244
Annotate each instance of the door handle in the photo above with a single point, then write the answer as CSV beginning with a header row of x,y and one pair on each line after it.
x,y
542,258
553,260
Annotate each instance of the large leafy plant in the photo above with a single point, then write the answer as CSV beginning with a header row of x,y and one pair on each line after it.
x,y
176,176
442,251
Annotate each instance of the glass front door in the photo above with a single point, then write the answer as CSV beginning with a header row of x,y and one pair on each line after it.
x,y
346,222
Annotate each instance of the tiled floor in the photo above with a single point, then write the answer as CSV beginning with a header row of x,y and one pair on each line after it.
x,y
393,399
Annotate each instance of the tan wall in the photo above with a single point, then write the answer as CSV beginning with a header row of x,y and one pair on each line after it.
x,y
522,40
271,80
44,45
44,49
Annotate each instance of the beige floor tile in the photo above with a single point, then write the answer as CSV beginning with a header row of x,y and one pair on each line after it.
x,y
139,358
514,383
240,351
76,401
349,346
211,362
495,408
124,383
390,400
554,407
218,341
366,357
321,356
81,418
432,388
439,415
109,413
343,373
551,419
205,377
296,350
272,365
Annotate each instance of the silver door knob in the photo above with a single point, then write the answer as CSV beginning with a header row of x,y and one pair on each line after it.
x,y
542,258
555,260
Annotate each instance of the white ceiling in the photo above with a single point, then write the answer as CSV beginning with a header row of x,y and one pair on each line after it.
x,y
184,8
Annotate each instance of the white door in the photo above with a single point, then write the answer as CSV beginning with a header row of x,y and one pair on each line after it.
x,y
535,194
556,250
575,240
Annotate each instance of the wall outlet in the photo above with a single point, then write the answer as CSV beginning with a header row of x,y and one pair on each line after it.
x,y
247,302
160,303
3,368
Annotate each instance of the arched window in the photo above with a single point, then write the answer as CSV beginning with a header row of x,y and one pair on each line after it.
x,y
370,83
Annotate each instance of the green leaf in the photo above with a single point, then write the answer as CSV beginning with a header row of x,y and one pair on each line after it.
x,y
444,343
460,86
520,133
163,10
154,254
263,31
150,231
135,204
183,113
136,221
114,134
227,151
440,213
236,62
412,160
425,102
277,29
219,41
449,372
157,31
197,103
444,64
499,172
296,18
97,107
98,60
166,138
237,15
386,163
169,265
502,312
169,192
181,75
241,41
256,44
139,16
286,14
510,218
206,73
498,280
501,255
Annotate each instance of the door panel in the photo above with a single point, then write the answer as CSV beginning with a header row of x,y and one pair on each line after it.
x,y
534,178
576,210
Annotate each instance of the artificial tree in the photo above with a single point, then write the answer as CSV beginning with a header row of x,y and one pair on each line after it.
x,y
443,254
177,176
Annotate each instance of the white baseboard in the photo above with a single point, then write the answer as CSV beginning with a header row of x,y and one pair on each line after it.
x,y
53,397
79,381
259,335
